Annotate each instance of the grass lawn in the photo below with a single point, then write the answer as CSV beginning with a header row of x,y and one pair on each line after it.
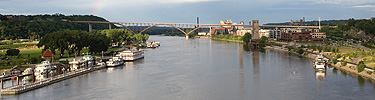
x,y
31,52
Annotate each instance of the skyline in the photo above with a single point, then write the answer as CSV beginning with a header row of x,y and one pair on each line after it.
x,y
186,11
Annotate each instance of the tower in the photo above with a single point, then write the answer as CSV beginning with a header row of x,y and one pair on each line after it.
x,y
255,34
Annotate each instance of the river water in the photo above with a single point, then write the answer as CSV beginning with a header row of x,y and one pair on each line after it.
x,y
204,69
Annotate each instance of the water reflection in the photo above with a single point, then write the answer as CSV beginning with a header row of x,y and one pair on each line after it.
x,y
361,81
256,69
241,71
320,75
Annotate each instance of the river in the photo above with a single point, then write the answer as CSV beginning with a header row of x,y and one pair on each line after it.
x,y
204,69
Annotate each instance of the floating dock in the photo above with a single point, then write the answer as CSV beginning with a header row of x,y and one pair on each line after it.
x,y
38,84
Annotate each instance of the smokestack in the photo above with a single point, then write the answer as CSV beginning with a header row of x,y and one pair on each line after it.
x,y
198,21
319,23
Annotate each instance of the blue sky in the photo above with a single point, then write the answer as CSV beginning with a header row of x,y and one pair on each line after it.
x,y
186,11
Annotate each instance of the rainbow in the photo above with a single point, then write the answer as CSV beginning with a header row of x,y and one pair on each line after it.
x,y
98,7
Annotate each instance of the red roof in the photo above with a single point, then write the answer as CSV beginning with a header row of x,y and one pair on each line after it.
x,y
47,53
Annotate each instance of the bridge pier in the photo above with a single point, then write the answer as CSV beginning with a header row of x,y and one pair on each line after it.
x,y
187,37
90,27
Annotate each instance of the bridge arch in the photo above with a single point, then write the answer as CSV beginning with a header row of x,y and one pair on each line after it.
x,y
163,24
197,28
124,26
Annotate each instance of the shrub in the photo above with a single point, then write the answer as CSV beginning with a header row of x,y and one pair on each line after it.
x,y
369,72
334,61
343,63
300,51
305,54
13,52
35,59
361,67
338,55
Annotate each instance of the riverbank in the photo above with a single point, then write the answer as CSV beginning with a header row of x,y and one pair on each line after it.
x,y
208,37
349,68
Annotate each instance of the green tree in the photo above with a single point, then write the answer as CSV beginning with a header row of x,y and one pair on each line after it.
x,y
334,61
343,63
360,67
263,41
300,51
247,37
13,52
34,59
98,43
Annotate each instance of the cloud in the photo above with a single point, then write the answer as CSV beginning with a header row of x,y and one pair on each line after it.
x,y
187,1
3,10
364,6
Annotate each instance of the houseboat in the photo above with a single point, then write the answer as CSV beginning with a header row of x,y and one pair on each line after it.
x,y
131,55
42,68
78,64
115,61
90,60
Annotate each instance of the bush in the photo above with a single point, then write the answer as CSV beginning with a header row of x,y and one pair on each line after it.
x,y
334,61
300,51
344,63
361,67
13,52
35,59
305,54
338,55
369,72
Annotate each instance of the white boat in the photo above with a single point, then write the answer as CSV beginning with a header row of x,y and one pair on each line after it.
x,y
115,61
42,68
319,63
153,44
27,71
90,60
78,64
131,55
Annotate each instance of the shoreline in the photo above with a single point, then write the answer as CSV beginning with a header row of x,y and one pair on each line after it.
x,y
206,37
353,71
349,68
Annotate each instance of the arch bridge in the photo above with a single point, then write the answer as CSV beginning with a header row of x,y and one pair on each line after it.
x,y
140,27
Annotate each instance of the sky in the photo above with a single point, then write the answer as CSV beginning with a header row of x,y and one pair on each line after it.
x,y
186,11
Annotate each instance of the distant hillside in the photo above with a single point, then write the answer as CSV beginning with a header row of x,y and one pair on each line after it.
x,y
314,23
36,26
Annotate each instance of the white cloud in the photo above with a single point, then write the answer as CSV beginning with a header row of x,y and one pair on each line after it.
x,y
186,1
364,6
3,10
341,1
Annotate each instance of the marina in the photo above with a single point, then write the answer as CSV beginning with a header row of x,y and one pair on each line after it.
x,y
21,88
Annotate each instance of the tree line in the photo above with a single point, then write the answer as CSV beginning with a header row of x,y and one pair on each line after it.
x,y
36,26
73,41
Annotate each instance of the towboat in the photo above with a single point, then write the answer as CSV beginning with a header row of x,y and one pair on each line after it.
x,y
115,61
131,55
